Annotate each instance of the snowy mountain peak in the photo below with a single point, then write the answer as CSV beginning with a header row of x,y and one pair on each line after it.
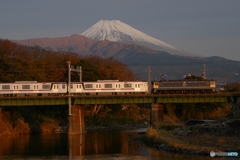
x,y
117,31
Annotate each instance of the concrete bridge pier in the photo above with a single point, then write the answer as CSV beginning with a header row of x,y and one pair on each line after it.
x,y
76,123
156,114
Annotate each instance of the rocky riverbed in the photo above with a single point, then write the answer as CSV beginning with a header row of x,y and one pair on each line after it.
x,y
219,136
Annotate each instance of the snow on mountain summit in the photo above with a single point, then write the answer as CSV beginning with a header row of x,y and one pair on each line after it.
x,y
117,31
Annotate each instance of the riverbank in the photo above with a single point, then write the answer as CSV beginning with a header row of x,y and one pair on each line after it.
x,y
219,136
51,119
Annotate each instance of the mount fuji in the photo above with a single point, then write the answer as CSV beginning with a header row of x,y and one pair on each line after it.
x,y
117,31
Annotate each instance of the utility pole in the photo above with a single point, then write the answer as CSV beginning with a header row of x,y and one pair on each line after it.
x,y
149,80
71,68
80,74
78,69
69,87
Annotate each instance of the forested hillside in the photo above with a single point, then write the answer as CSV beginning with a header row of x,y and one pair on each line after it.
x,y
25,63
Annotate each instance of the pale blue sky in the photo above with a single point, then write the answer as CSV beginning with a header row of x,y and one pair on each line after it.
x,y
203,27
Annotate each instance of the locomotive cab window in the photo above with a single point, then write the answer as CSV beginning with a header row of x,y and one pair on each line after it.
x,y
63,86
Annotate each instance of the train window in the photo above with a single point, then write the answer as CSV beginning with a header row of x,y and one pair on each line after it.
x,y
5,86
108,85
88,86
25,86
14,87
118,85
138,85
127,85
99,85
71,86
34,87
45,86
135,85
54,86
77,86
63,86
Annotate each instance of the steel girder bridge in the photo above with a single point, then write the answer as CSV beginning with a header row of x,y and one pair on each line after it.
x,y
126,99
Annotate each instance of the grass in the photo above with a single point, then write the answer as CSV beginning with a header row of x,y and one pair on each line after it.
x,y
165,134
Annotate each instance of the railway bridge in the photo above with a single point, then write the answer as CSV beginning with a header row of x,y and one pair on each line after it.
x,y
76,115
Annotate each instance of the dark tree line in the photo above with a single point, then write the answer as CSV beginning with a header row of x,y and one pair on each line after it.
x,y
25,63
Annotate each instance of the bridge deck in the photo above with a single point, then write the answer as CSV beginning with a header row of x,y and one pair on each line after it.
x,y
127,99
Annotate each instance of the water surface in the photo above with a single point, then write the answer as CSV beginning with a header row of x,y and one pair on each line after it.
x,y
98,145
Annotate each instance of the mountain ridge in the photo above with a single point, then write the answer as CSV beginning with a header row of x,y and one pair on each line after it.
x,y
117,31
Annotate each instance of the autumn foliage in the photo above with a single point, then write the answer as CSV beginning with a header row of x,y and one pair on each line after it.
x,y
24,63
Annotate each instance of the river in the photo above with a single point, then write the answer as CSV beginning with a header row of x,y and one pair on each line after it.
x,y
100,145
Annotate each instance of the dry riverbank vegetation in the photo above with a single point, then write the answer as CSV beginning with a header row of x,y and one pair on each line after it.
x,y
217,136
49,119
25,120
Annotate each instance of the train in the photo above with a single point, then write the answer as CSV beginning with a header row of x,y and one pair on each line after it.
x,y
101,87
106,87
183,86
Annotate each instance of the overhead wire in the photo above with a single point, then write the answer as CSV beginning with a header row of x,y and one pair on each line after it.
x,y
152,69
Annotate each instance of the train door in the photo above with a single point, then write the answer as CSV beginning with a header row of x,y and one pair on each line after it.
x,y
98,88
55,88
117,86
77,88
137,87
35,87
15,89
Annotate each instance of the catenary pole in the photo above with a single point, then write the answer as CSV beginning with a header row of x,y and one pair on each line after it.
x,y
69,86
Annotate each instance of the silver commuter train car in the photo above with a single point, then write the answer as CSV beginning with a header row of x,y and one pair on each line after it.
x,y
32,88
109,87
